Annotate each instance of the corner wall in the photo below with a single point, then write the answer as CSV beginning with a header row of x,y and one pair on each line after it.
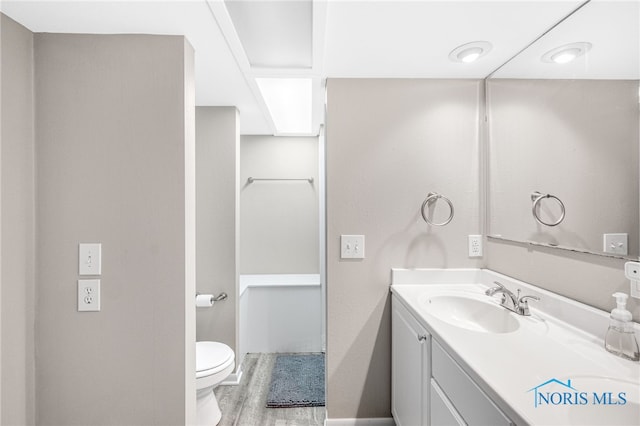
x,y
17,202
113,150
218,166
189,114
389,143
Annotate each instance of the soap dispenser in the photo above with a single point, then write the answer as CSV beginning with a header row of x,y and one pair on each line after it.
x,y
621,339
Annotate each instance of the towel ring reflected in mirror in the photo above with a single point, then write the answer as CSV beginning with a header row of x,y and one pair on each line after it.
x,y
433,197
536,197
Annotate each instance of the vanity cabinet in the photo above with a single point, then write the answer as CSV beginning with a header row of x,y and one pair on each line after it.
x,y
409,368
428,385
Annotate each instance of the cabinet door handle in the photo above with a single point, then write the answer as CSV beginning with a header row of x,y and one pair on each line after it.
x,y
422,337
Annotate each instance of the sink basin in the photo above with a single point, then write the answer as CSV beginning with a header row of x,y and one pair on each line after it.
x,y
471,313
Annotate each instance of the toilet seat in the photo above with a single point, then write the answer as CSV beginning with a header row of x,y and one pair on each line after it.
x,y
214,362
212,357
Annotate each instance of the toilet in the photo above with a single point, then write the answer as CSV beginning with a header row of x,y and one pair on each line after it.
x,y
214,362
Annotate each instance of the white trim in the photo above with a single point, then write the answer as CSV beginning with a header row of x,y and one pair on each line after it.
x,y
234,378
322,222
377,421
225,24
278,280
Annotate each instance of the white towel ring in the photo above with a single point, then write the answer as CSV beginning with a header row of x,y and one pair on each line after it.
x,y
432,197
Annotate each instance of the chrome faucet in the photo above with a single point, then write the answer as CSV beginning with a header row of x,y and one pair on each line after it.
x,y
514,303
506,295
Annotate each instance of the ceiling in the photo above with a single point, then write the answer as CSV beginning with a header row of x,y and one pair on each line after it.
x,y
613,29
238,42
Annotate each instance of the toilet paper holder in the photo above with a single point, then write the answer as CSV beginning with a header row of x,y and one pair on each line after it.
x,y
208,300
221,296
218,298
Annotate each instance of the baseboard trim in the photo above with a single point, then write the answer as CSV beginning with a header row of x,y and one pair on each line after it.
x,y
234,378
377,421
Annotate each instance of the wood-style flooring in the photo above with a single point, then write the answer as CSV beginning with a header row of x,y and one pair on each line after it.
x,y
245,404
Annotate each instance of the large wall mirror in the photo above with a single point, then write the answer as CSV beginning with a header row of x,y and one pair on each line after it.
x,y
564,131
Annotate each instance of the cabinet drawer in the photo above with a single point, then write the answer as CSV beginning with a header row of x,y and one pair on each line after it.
x,y
470,401
442,412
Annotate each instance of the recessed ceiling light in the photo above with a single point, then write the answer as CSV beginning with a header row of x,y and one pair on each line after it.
x,y
470,52
566,53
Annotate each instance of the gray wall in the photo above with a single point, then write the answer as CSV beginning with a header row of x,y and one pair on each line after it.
x,y
217,167
18,222
115,159
279,233
389,143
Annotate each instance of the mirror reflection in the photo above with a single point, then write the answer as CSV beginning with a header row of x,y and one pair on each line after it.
x,y
564,134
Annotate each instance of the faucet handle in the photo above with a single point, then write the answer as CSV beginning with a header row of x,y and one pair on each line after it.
x,y
523,298
523,308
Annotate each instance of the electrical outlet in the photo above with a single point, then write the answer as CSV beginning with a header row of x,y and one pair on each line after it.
x,y
475,245
88,295
352,246
632,272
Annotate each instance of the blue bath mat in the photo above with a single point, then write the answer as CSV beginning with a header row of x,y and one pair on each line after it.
x,y
297,381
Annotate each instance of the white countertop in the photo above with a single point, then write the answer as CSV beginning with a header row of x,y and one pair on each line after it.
x,y
562,340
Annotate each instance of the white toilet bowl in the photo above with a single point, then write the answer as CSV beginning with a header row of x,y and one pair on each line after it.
x,y
214,362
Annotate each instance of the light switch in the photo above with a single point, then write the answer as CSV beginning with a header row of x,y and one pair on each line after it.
x,y
352,246
616,244
90,259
